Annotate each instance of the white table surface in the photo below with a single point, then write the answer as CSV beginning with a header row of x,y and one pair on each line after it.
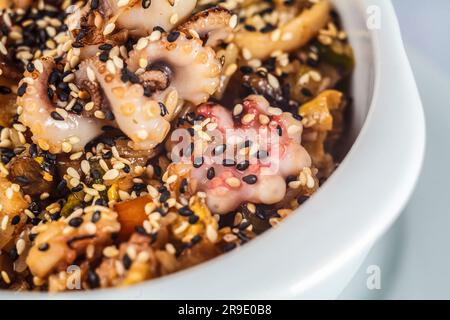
x,y
414,256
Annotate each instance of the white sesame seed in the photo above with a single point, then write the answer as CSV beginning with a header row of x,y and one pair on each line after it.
x,y
275,111
111,174
174,18
73,173
122,3
4,223
20,246
109,28
90,74
211,233
142,43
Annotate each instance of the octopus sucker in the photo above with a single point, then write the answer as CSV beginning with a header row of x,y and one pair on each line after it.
x,y
260,181
189,66
37,110
128,104
213,25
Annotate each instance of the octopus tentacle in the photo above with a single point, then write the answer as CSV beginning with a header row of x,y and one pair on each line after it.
x,y
230,178
140,118
183,69
193,70
214,25
51,132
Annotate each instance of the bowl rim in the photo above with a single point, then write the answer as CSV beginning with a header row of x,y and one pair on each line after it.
x,y
396,95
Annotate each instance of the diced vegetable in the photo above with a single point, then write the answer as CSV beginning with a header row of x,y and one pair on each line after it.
x,y
131,214
317,113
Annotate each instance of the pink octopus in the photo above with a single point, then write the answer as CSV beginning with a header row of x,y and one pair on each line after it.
x,y
262,148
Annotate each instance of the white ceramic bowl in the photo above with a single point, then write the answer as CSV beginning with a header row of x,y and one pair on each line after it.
x,y
316,251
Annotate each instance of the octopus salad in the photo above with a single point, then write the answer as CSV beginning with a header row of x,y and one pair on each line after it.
x,y
140,138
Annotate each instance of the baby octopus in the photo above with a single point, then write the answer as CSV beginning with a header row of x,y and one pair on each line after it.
x,y
53,128
262,148
158,77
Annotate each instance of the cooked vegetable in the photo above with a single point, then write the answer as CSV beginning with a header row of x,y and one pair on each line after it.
x,y
12,217
28,173
317,113
131,214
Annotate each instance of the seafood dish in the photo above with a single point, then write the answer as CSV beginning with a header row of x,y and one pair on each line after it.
x,y
140,138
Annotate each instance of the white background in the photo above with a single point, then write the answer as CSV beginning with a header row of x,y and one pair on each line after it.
x,y
414,256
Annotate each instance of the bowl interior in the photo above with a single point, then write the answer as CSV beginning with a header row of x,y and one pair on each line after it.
x,y
353,17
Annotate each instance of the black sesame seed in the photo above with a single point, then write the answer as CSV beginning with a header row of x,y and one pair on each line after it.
x,y
22,180
103,56
242,166
75,222
244,225
164,196
196,239
141,230
107,155
246,69
250,179
280,130
22,89
55,115
250,28
43,246
146,3
35,221
267,28
193,219
183,185
94,4
127,261
93,279
163,109
96,216
30,67
13,254
54,77
173,36
211,173
32,236
5,90
105,46
77,108
185,211
15,220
